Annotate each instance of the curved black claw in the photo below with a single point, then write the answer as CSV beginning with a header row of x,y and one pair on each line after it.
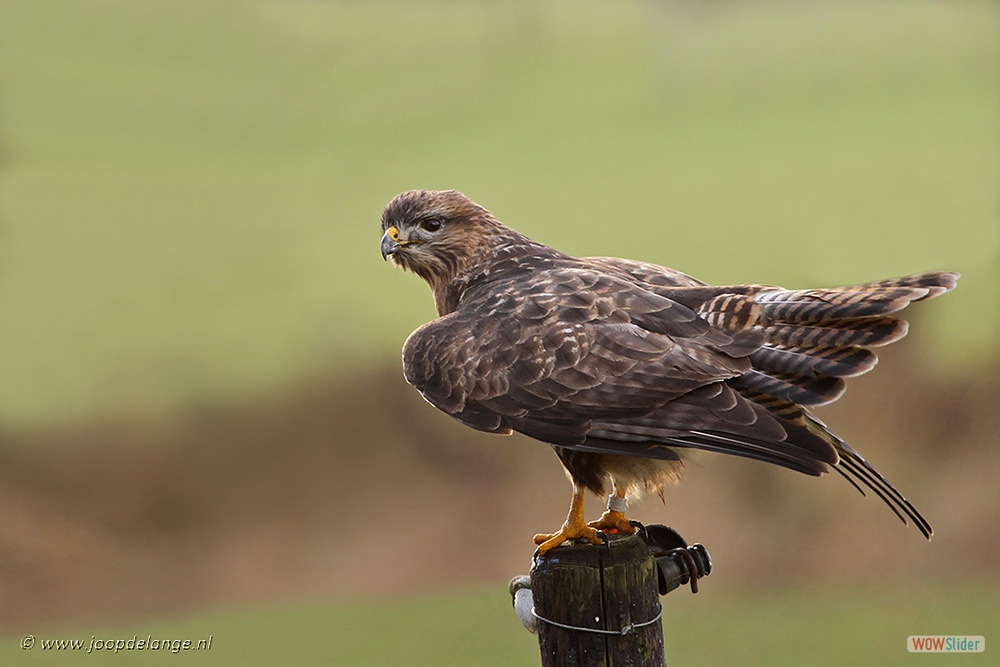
x,y
639,528
605,539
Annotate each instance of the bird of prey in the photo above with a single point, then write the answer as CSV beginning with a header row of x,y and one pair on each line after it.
x,y
622,365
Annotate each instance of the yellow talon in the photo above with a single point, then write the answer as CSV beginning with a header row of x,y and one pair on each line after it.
x,y
575,528
613,521
577,531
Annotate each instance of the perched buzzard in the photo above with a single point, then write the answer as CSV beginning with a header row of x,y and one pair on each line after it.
x,y
621,365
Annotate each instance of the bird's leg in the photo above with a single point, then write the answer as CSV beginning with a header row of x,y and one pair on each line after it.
x,y
613,519
575,527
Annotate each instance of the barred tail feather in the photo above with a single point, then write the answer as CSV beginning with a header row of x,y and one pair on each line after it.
x,y
804,390
814,338
866,331
839,362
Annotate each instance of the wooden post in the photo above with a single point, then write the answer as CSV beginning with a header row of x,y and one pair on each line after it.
x,y
608,598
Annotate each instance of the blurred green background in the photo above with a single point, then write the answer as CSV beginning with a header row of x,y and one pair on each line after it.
x,y
201,409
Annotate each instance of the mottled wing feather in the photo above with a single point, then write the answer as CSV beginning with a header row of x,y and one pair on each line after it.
x,y
718,418
524,354
645,273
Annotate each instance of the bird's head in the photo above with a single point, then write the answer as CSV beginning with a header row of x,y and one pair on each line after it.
x,y
436,234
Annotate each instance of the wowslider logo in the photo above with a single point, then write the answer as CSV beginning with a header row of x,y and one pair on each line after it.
x,y
945,644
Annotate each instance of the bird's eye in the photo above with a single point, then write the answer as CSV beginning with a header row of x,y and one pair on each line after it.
x,y
431,224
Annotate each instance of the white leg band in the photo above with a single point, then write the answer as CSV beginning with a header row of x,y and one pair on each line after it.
x,y
616,504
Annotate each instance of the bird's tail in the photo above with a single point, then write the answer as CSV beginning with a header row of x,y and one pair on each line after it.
x,y
813,339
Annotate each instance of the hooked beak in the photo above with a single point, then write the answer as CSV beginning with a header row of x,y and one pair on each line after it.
x,y
390,242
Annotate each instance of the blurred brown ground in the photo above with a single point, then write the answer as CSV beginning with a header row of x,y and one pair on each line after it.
x,y
360,488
